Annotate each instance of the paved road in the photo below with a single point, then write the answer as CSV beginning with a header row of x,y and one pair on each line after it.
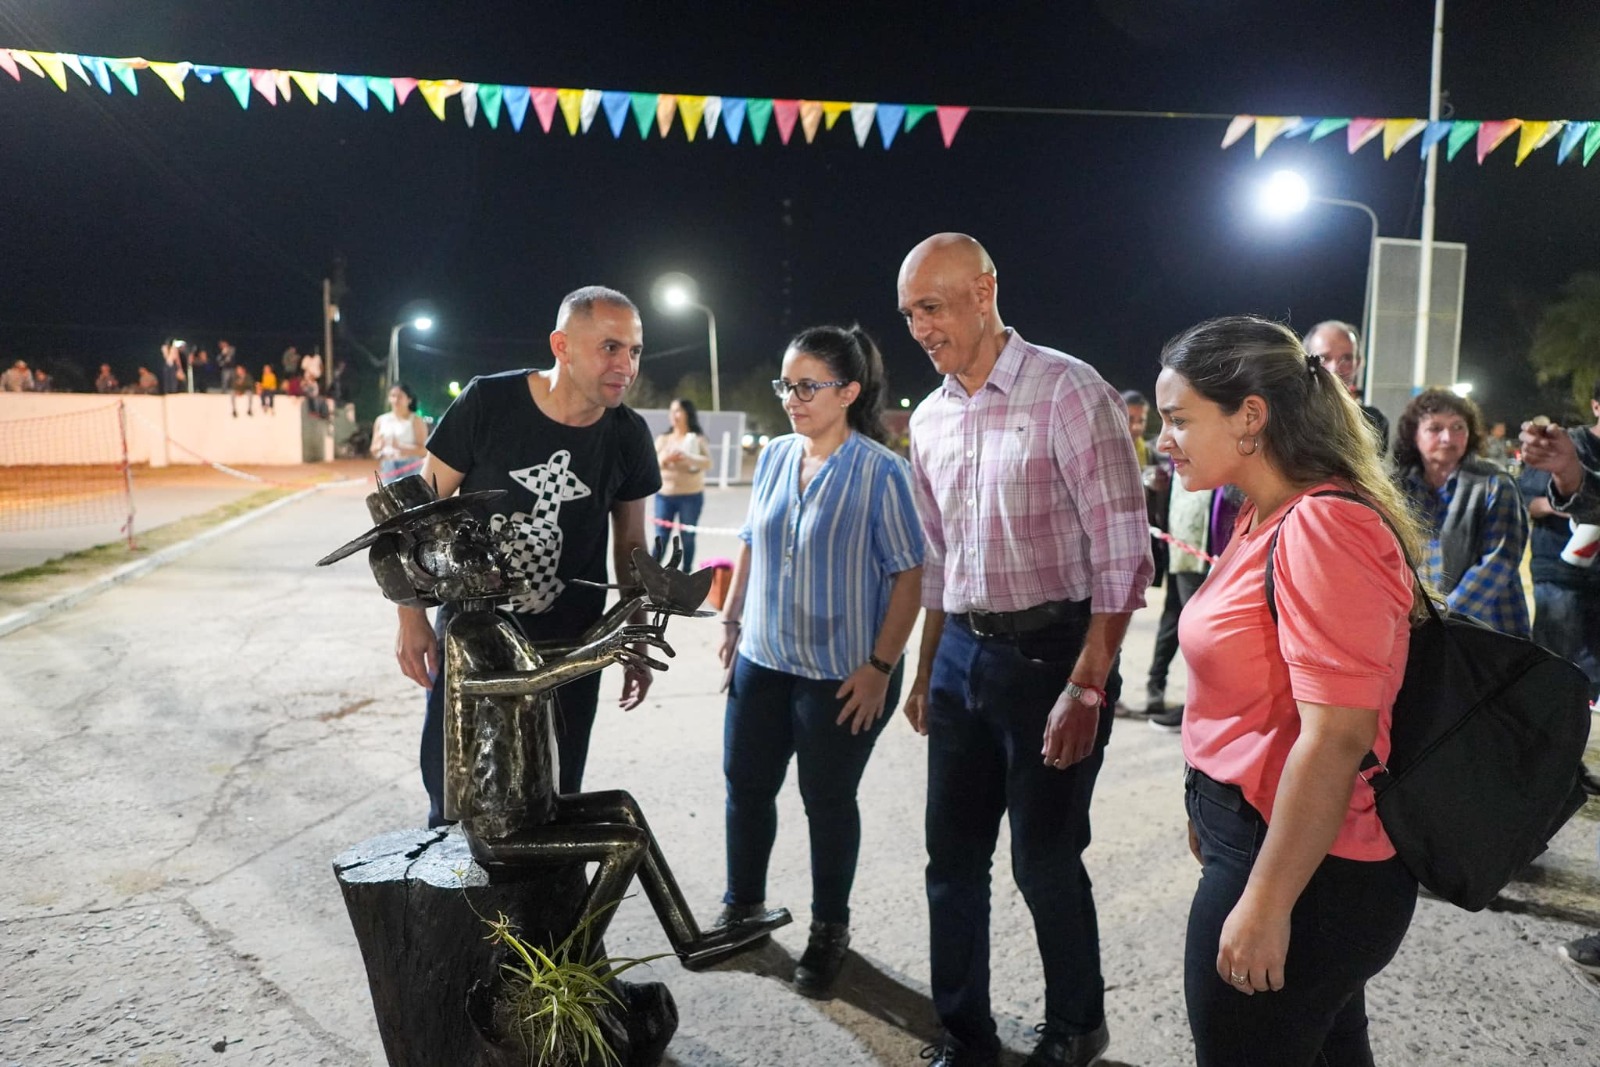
x,y
188,752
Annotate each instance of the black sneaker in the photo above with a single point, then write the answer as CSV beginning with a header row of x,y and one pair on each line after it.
x,y
1169,721
1058,1049
1155,700
824,956
1583,953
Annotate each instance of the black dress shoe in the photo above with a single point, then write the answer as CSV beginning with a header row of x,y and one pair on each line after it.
x,y
952,1053
1058,1049
824,956
738,913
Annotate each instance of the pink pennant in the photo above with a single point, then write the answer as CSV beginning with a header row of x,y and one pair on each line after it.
x,y
950,121
1360,131
403,87
1492,135
265,84
788,112
9,65
544,105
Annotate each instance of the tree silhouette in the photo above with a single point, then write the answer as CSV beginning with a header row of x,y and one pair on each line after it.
x,y
1566,346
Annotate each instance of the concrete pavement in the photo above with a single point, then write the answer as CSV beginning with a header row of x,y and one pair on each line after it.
x,y
189,751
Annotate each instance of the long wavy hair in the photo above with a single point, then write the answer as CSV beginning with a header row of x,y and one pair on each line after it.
x,y
1315,431
1435,402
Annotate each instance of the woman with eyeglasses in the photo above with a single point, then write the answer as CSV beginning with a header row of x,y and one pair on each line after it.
x,y
832,565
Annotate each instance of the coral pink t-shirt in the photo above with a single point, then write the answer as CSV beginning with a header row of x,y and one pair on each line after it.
x,y
1344,596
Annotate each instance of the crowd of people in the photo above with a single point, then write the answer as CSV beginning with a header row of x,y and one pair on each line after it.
x,y
1020,527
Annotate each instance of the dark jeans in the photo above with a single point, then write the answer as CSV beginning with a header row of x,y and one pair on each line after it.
x,y
1567,622
771,716
1345,928
1180,587
575,705
684,508
988,702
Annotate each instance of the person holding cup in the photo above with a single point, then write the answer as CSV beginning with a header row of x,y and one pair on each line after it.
x,y
1470,510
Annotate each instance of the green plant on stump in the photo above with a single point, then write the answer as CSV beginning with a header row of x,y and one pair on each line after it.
x,y
552,1002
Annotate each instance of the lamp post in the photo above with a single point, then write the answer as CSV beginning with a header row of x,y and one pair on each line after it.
x,y
422,323
1286,193
677,291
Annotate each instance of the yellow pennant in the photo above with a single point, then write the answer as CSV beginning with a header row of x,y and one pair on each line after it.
x,y
666,107
831,110
691,108
571,102
307,83
810,118
1529,137
1396,132
1268,127
173,74
53,66
436,93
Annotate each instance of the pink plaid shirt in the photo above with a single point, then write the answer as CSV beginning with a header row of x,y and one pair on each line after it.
x,y
1029,490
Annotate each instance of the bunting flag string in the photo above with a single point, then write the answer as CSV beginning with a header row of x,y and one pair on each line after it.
x,y
693,114
1487,134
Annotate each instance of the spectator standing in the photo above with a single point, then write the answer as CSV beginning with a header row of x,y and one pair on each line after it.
x,y
17,378
290,363
684,456
398,436
172,375
1038,550
1338,346
105,381
42,382
1469,510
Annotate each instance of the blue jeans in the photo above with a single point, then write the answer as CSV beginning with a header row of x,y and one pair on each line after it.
x,y
1345,928
575,705
771,716
1567,622
684,508
988,702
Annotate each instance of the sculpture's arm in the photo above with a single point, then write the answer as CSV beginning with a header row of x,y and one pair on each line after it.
x,y
624,646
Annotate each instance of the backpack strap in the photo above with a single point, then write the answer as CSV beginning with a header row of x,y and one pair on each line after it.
x,y
1370,762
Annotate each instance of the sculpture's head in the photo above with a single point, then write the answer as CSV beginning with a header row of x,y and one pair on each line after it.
x,y
426,551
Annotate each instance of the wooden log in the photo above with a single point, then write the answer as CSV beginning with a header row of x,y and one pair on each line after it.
x,y
411,895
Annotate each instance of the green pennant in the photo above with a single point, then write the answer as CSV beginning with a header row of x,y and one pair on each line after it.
x,y
757,113
1591,141
238,80
124,75
489,96
915,113
383,89
1460,135
644,111
1327,126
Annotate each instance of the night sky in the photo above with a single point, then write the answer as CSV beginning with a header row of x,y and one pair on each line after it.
x,y
124,221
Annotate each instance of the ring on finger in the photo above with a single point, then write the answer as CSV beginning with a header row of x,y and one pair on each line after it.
x,y
1238,979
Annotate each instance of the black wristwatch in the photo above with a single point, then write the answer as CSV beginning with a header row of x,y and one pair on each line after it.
x,y
877,664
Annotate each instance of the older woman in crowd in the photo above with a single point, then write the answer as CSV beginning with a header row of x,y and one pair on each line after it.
x,y
1302,898
1470,510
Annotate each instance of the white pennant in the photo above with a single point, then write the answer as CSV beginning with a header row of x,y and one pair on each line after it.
x,y
712,113
328,87
861,116
588,108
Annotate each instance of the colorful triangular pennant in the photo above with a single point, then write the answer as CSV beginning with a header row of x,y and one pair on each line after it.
x,y
1325,127
403,87
713,113
915,113
1237,128
469,103
1268,127
831,110
588,108
571,102
1396,132
1570,137
355,87
1461,132
666,108
861,116
1436,132
1360,131
692,109
237,79
733,115
544,105
383,89
644,112
307,83
1492,135
810,118
516,99
1530,136
615,105
950,119
890,116
758,110
490,97
787,111
328,87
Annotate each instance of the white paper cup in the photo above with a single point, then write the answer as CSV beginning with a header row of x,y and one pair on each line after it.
x,y
1583,546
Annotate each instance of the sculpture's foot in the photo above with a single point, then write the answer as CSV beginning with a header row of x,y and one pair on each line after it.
x,y
725,941
650,1018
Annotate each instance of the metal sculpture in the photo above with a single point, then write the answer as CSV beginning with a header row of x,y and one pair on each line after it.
x,y
500,752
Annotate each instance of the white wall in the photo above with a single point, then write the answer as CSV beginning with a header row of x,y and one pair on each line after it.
x,y
73,428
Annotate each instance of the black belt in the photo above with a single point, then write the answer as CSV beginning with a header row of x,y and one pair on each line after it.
x,y
1011,623
1221,793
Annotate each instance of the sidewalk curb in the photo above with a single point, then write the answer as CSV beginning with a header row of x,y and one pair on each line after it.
x,y
128,571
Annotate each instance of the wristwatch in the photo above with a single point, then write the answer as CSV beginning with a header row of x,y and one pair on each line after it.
x,y
1088,695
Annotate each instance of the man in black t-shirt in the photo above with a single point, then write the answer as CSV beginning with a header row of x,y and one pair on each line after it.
x,y
573,461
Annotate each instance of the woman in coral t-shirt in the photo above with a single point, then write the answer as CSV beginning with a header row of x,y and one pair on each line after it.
x,y
1302,899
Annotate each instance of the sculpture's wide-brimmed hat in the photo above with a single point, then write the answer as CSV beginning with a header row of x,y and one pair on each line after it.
x,y
405,503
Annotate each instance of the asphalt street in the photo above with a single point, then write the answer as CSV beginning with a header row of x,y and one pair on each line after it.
x,y
188,752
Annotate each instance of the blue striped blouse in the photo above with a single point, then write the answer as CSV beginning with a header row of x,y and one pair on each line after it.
x,y
822,562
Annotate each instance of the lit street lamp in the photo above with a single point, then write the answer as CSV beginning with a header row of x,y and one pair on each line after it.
x,y
422,323
677,291
1286,193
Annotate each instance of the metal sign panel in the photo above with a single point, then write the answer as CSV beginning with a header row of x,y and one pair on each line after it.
x,y
1391,349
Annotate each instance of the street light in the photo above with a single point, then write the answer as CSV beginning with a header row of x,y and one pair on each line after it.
x,y
422,323
1286,193
676,292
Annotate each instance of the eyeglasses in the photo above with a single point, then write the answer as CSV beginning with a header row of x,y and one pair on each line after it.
x,y
805,390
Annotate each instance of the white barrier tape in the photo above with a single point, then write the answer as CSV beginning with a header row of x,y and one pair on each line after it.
x,y
722,531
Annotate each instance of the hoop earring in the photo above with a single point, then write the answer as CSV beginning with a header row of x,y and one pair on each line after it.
x,y
1255,445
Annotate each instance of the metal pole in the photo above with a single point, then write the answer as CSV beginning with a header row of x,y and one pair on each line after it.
x,y
1365,345
1419,364
394,356
327,359
716,380
127,468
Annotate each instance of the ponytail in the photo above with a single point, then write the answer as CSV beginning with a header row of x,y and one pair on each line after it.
x,y
852,356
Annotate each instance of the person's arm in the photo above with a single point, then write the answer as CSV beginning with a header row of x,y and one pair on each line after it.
x,y
627,534
1069,732
917,698
1312,798
415,646
867,687
1499,555
419,433
733,607
377,437
927,507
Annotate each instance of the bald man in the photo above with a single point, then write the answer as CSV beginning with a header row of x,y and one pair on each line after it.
x,y
1338,345
572,460
1038,551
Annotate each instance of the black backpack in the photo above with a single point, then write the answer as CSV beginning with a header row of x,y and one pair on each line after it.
x,y
1485,752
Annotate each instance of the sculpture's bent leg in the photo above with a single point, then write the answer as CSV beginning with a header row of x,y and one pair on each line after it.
x,y
695,948
616,848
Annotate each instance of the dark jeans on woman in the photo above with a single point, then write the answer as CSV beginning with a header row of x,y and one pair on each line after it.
x,y
771,716
1345,928
575,705
684,508
988,702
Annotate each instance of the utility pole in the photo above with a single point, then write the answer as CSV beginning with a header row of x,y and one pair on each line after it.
x,y
1419,363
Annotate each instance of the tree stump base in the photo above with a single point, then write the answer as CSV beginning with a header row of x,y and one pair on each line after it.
x,y
411,895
